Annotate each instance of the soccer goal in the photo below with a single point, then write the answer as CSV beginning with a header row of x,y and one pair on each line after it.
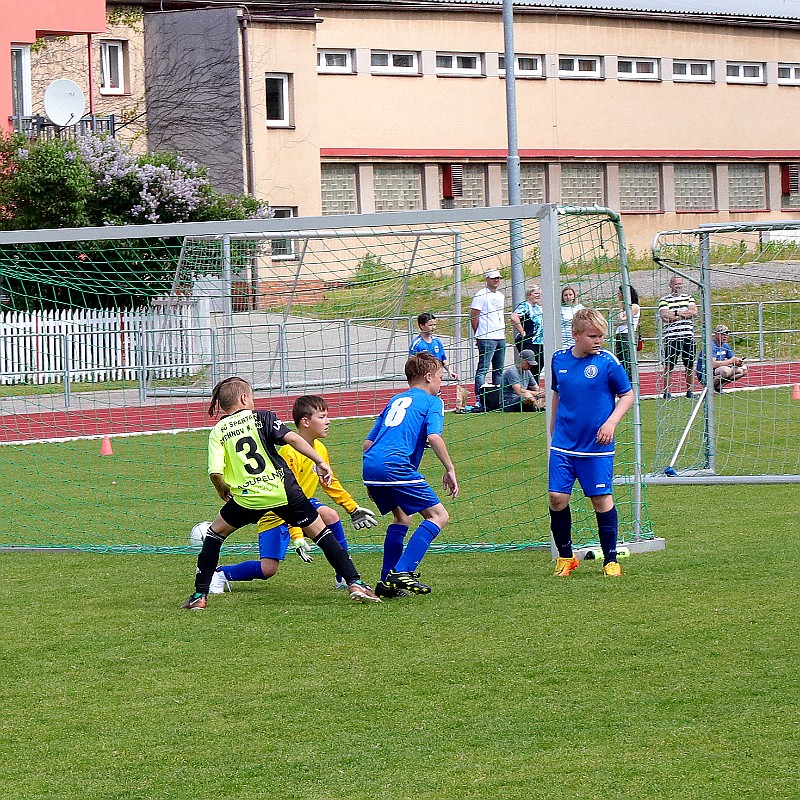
x,y
323,305
747,278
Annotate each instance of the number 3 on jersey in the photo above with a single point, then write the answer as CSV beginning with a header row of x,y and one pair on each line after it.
x,y
397,412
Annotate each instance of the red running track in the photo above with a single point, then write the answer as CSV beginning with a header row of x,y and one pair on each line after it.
x,y
171,416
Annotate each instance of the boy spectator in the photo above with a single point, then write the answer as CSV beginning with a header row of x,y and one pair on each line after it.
x,y
427,343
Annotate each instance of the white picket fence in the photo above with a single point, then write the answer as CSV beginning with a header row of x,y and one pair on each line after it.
x,y
100,345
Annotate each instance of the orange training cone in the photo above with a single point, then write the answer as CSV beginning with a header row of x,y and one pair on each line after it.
x,y
796,392
106,449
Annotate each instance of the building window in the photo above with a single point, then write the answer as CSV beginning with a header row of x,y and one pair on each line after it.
x,y
391,62
789,74
398,187
340,61
532,183
463,185
524,66
112,67
579,67
459,64
583,185
639,187
744,72
339,189
21,81
283,248
694,187
692,71
790,186
279,101
638,69
747,187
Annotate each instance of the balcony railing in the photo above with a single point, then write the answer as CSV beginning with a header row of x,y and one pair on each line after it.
x,y
42,128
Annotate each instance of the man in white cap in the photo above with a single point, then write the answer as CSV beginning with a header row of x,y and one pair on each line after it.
x,y
489,326
727,367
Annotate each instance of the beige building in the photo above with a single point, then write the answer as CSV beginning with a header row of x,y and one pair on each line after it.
x,y
673,116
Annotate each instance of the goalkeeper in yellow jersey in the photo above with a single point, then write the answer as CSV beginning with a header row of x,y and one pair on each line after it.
x,y
310,414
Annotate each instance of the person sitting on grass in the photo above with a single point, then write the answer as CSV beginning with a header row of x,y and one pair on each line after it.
x,y
427,343
727,367
310,415
518,390
251,478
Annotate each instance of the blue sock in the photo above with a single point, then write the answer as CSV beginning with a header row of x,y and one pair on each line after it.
x,y
417,546
244,571
561,528
607,525
338,533
392,547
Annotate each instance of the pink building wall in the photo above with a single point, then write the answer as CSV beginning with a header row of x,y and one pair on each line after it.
x,y
23,21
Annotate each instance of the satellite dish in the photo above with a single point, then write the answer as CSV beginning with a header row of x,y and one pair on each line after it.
x,y
64,102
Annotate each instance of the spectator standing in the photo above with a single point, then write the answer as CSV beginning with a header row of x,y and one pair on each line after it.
x,y
426,342
528,325
569,306
622,348
489,328
677,311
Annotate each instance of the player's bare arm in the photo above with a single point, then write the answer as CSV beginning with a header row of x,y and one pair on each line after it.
x,y
304,448
449,480
606,432
223,490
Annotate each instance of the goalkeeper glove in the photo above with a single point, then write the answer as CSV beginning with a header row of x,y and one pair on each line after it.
x,y
303,549
363,518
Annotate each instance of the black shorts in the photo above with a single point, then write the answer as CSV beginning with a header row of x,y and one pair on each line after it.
x,y
682,348
298,511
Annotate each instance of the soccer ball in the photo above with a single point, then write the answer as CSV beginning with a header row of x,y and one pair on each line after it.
x,y
198,533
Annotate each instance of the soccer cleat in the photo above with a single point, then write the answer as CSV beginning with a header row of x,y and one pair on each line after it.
x,y
566,565
360,592
389,592
408,581
339,583
197,602
219,583
612,570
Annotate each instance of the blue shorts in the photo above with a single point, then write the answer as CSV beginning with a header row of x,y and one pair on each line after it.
x,y
594,473
275,542
411,498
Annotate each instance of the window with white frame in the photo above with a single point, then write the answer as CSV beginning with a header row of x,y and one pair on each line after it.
x,y
112,67
283,248
638,69
398,187
339,189
21,80
394,62
279,95
524,66
583,185
789,74
463,185
747,187
580,67
695,188
744,72
640,187
692,71
337,61
464,64
532,183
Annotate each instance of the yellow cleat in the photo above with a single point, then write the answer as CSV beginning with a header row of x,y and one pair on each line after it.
x,y
565,565
612,570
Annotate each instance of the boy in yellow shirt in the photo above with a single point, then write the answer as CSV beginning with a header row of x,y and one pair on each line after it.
x,y
310,414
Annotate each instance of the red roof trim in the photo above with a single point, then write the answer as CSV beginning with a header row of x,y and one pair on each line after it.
x,y
383,152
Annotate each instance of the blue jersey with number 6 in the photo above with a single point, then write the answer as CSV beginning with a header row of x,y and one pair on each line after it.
x,y
399,436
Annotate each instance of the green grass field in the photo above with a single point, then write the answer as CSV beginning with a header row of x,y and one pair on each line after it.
x,y
679,680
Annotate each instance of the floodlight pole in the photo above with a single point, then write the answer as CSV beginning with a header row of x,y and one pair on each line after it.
x,y
512,162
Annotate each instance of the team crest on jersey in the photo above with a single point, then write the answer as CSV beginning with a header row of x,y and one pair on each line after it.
x,y
591,371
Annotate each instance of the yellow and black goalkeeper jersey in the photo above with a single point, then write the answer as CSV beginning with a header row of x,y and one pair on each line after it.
x,y
305,470
242,447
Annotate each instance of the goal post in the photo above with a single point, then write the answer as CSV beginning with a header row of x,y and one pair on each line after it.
x,y
324,305
746,277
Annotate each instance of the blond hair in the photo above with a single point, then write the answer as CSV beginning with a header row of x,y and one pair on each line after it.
x,y
589,318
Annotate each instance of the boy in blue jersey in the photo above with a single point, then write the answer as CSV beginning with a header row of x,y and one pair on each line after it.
x,y
392,453
591,394
427,343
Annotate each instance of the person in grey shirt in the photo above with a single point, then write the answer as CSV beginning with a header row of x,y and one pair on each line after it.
x,y
518,390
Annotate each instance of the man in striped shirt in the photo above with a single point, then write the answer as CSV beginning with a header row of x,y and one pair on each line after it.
x,y
677,311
